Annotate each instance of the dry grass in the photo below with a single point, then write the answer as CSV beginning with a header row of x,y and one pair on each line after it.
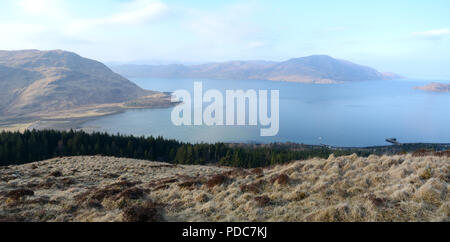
x,y
387,188
217,180
19,194
148,212
281,179
262,200
253,188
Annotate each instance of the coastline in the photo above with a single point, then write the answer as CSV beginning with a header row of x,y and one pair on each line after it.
x,y
75,118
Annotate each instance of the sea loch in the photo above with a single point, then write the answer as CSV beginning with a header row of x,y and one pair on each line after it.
x,y
348,114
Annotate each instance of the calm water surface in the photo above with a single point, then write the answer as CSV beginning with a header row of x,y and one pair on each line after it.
x,y
351,114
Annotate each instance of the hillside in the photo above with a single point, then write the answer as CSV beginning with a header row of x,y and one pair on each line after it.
x,y
349,188
311,69
34,83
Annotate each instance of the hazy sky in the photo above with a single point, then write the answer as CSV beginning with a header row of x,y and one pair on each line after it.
x,y
411,37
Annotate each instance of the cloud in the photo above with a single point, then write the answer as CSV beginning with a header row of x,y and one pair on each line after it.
x,y
37,36
256,44
335,29
433,34
50,24
229,32
45,8
135,12
19,34
131,12
138,29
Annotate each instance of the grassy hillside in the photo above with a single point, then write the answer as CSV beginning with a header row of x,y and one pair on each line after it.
x,y
348,188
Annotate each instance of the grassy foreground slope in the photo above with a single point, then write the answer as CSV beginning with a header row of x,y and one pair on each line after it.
x,y
347,188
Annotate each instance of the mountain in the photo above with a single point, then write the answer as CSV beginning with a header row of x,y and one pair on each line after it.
x,y
435,87
311,69
34,81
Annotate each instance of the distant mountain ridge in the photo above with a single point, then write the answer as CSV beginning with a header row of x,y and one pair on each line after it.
x,y
311,69
33,81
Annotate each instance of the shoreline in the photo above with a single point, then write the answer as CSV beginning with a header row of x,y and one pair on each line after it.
x,y
75,123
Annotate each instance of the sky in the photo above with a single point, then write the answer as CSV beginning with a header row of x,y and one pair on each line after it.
x,y
408,37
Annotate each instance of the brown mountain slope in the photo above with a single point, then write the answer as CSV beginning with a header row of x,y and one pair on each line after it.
x,y
33,81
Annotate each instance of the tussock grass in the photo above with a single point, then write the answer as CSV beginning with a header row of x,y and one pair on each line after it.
x,y
262,200
281,179
56,174
19,194
217,180
349,188
147,212
253,188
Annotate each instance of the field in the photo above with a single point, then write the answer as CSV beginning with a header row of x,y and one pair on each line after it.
x,y
348,188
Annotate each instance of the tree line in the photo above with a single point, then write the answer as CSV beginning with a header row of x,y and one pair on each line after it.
x,y
30,146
